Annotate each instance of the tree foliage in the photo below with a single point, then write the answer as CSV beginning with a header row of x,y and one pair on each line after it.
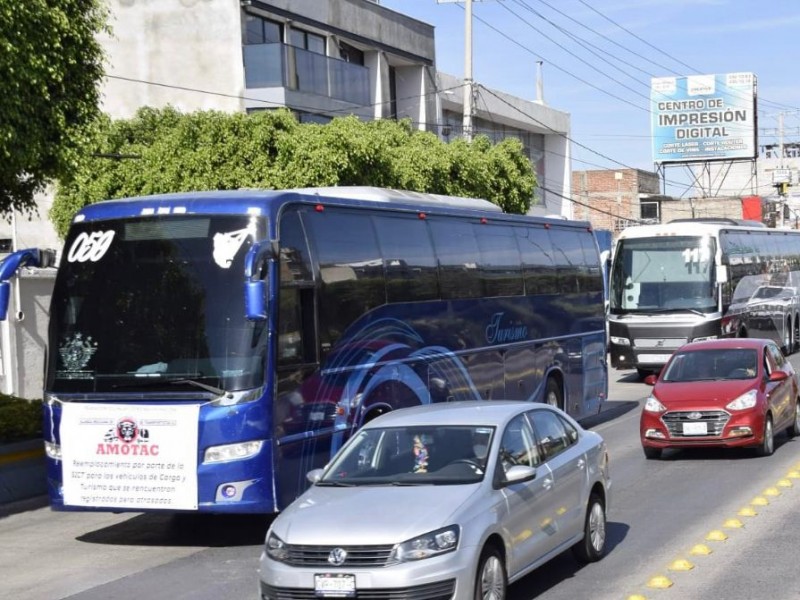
x,y
163,150
51,64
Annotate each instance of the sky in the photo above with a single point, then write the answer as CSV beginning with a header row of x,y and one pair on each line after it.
x,y
599,57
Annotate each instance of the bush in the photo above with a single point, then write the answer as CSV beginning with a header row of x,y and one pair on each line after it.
x,y
20,419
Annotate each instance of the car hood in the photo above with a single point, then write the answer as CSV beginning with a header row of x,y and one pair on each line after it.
x,y
713,394
370,514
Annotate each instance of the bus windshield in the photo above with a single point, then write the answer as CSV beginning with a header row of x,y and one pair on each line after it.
x,y
664,274
155,303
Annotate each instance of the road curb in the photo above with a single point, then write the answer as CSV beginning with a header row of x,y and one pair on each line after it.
x,y
22,471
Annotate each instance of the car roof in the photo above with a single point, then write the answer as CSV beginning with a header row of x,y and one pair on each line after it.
x,y
471,412
725,344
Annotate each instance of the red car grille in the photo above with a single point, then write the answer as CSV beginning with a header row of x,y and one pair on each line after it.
x,y
715,421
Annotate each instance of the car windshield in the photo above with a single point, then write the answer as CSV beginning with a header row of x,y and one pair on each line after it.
x,y
419,455
715,365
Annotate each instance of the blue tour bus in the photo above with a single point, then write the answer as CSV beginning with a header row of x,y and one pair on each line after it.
x,y
205,350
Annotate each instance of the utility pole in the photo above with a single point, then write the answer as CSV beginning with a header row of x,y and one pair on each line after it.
x,y
467,125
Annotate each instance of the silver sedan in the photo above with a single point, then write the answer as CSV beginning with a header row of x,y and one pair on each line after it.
x,y
443,501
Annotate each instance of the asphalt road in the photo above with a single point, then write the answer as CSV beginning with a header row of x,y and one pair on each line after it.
x,y
661,512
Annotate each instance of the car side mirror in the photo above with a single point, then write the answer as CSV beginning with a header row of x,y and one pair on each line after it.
x,y
519,473
651,379
778,376
314,475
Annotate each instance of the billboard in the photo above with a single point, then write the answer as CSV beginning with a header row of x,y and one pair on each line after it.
x,y
703,117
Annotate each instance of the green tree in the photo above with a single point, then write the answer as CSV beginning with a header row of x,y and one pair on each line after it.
x,y
51,64
169,152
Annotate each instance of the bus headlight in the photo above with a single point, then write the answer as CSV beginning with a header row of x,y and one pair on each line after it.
x,y
620,341
704,338
52,450
242,450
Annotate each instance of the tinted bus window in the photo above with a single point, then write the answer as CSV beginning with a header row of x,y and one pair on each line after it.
x,y
458,256
408,258
538,267
568,256
295,296
501,265
592,275
350,268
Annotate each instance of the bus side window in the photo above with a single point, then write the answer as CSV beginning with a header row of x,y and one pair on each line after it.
x,y
296,339
458,256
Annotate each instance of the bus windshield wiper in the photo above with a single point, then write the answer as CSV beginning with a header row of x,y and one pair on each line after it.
x,y
664,311
156,381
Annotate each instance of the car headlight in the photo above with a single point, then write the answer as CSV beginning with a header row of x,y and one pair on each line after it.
x,y
430,544
242,450
276,548
620,341
653,405
746,400
704,338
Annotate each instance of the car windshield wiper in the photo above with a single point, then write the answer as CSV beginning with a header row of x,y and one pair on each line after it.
x,y
335,484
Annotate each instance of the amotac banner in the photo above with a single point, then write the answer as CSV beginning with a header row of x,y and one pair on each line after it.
x,y
703,117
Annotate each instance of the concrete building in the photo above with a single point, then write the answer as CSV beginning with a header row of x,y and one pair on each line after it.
x,y
320,59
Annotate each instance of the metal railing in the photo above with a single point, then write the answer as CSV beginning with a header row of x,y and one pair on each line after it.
x,y
282,65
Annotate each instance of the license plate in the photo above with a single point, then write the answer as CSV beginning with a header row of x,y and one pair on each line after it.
x,y
335,585
695,429
654,358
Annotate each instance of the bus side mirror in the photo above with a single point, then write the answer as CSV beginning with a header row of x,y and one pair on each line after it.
x,y
722,274
255,300
5,294
255,286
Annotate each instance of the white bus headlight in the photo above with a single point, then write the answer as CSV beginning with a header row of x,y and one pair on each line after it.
x,y
620,341
242,450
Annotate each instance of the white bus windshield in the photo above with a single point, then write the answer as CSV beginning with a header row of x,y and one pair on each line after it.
x,y
664,274
155,303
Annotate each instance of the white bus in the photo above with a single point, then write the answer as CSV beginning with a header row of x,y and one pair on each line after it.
x,y
695,279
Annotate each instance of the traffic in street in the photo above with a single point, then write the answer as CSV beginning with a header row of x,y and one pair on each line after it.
x,y
693,524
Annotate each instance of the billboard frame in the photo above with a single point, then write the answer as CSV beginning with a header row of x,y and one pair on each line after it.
x,y
699,118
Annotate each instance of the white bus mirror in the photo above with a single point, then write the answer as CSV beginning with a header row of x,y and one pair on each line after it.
x,y
722,274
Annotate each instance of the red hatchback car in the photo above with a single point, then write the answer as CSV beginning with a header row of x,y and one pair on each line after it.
x,y
723,393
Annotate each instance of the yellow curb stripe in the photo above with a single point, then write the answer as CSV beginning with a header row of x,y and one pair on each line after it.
x,y
20,456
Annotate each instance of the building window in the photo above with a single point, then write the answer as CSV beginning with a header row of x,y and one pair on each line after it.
x,y
307,41
350,54
650,211
262,31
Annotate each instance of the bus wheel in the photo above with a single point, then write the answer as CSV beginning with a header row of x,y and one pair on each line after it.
x,y
553,395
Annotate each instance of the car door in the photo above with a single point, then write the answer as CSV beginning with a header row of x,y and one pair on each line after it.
x,y
779,394
529,504
558,446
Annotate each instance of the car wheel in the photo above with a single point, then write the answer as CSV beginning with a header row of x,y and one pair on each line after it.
x,y
491,582
787,338
651,453
552,394
767,446
794,428
593,545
